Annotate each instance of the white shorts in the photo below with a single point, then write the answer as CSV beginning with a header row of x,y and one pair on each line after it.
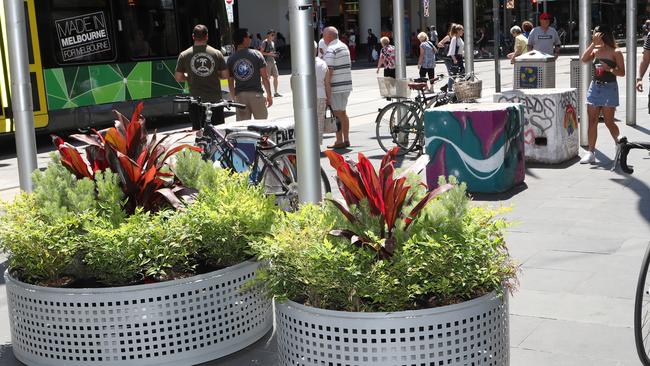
x,y
339,101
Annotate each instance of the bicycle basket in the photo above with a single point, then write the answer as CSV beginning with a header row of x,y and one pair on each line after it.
x,y
393,88
468,89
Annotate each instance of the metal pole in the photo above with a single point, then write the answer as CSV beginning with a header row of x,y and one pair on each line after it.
x,y
545,6
398,29
21,92
468,19
497,42
630,74
585,68
303,84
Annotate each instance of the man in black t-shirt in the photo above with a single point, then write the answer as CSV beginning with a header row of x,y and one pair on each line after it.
x,y
202,67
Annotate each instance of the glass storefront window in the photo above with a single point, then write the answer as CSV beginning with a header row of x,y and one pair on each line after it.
x,y
150,27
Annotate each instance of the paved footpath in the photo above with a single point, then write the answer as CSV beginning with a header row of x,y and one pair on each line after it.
x,y
580,234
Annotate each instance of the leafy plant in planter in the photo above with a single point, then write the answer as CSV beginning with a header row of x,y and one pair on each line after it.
x,y
137,158
82,221
392,246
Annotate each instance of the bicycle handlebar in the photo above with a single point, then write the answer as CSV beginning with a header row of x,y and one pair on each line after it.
x,y
206,105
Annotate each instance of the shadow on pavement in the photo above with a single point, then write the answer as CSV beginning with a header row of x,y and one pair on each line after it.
x,y
640,188
7,356
262,352
641,129
503,196
562,165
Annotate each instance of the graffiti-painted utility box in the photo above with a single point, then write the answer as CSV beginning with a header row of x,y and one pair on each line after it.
x,y
534,70
551,122
480,143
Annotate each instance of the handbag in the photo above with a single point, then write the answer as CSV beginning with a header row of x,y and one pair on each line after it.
x,y
330,125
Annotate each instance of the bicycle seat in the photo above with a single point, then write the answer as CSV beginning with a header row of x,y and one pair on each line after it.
x,y
418,86
263,130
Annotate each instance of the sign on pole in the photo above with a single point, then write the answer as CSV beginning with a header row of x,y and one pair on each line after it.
x,y
425,4
229,11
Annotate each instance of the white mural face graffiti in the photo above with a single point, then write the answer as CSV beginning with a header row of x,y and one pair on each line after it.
x,y
550,129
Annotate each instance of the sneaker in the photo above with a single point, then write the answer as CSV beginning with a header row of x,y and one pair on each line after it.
x,y
277,95
588,158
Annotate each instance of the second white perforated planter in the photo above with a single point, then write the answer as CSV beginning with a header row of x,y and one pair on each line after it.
x,y
181,322
474,332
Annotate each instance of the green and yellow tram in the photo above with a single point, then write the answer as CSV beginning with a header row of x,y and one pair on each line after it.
x,y
88,57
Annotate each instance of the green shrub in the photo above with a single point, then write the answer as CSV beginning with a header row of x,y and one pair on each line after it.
x,y
226,215
80,227
450,253
41,248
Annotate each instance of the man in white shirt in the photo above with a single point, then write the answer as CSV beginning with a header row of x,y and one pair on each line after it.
x,y
544,38
337,57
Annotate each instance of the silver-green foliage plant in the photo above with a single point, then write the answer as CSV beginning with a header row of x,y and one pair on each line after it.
x,y
228,212
79,228
453,252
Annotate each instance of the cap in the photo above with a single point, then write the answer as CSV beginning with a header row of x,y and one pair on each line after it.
x,y
270,31
545,16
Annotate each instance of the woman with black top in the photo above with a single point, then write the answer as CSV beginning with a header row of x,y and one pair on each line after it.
x,y
607,62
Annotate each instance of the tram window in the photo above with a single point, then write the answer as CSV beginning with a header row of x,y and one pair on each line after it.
x,y
82,31
150,27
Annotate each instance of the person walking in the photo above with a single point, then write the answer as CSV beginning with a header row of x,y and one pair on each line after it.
x,y
202,66
456,52
247,74
427,59
433,34
521,43
643,65
481,43
386,58
602,96
337,57
270,55
323,91
352,45
544,38
526,27
443,45
372,44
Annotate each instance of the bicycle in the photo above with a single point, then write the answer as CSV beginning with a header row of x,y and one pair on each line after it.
x,y
400,123
642,295
271,165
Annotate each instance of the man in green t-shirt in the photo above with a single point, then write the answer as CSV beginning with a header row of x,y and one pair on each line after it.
x,y
202,66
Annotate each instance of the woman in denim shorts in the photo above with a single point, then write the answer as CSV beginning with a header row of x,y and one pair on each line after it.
x,y
607,62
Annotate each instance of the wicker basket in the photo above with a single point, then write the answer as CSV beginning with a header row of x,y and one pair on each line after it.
x,y
468,89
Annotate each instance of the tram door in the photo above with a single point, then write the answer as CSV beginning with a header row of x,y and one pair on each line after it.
x,y
35,73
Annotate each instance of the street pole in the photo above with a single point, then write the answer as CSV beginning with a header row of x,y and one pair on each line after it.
x,y
468,19
497,42
585,68
21,92
398,29
630,74
303,84
545,6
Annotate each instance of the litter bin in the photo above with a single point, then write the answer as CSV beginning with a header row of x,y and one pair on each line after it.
x,y
480,143
534,70
574,68
551,122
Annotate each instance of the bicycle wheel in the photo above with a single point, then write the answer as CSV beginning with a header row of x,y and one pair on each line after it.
x,y
642,311
279,176
399,124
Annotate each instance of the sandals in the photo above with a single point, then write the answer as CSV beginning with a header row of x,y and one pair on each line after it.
x,y
339,145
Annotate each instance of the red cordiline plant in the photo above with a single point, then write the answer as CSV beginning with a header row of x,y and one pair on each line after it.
x,y
138,159
386,195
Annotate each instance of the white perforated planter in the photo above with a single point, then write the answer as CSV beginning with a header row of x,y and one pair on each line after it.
x,y
470,333
180,322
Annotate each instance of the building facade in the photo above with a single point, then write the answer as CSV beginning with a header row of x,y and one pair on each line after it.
x,y
361,15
